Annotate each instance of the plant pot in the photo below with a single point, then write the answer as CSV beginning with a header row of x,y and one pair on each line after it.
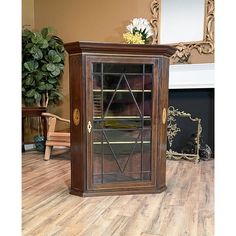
x,y
39,142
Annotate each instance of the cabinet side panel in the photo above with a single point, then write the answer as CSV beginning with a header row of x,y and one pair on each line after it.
x,y
163,78
77,143
155,121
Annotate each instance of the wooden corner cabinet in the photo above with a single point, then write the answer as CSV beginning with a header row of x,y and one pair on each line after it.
x,y
118,103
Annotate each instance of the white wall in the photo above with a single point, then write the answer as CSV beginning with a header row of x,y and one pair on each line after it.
x,y
186,76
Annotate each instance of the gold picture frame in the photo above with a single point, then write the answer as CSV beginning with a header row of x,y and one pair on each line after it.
x,y
206,46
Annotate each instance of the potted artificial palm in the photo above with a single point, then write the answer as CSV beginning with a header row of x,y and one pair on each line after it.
x,y
42,68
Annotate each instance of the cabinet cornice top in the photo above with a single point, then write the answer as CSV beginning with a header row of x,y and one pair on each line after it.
x,y
118,48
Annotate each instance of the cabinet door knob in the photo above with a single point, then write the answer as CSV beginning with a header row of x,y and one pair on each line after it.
x,y
164,116
89,126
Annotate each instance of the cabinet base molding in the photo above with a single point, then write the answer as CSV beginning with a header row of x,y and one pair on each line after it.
x,y
116,193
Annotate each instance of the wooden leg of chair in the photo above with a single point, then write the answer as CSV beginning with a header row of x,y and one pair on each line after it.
x,y
47,154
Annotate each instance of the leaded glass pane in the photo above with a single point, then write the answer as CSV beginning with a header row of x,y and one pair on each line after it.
x,y
122,102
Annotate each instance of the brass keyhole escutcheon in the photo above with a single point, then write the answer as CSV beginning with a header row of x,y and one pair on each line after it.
x,y
164,116
89,126
76,117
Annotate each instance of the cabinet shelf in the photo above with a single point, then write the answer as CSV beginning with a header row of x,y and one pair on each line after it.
x,y
124,129
110,73
122,142
123,90
121,117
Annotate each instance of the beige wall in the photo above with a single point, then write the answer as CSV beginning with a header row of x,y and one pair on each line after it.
x,y
90,20
28,13
95,20
87,20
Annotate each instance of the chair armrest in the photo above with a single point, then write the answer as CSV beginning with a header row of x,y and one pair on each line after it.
x,y
55,116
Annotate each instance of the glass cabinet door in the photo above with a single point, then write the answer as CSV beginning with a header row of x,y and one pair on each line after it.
x,y
121,124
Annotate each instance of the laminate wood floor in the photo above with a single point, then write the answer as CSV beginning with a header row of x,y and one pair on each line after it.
x,y
185,208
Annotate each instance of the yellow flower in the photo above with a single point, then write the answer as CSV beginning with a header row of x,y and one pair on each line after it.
x,y
133,38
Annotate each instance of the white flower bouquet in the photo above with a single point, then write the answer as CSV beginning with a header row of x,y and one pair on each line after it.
x,y
139,31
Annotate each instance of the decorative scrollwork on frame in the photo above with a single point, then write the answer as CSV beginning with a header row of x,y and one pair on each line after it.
x,y
173,130
183,53
155,21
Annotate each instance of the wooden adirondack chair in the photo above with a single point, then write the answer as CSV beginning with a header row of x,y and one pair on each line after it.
x,y
55,138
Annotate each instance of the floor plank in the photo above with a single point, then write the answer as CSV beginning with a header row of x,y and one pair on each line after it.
x,y
185,208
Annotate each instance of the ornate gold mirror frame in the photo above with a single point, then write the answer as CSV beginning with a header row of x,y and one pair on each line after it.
x,y
206,46
173,130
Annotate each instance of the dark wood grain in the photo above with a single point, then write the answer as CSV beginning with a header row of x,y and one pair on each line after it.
x,y
117,48
81,57
163,78
78,154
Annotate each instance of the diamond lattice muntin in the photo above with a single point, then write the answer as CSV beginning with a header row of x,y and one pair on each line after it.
x,y
122,100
